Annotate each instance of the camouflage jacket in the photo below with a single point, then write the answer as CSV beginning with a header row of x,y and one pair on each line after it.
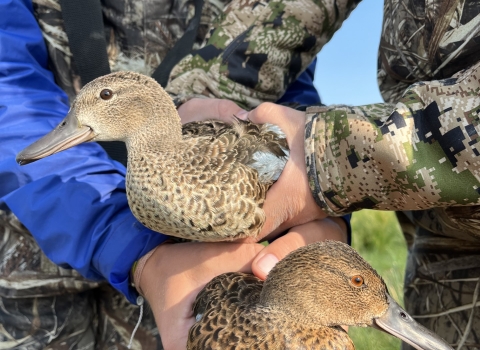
x,y
421,150
349,150
139,34
420,153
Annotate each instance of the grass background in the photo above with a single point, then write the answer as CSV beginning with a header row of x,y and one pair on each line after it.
x,y
377,237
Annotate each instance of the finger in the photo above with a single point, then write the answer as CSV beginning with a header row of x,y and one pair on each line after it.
x,y
265,113
286,118
198,109
298,236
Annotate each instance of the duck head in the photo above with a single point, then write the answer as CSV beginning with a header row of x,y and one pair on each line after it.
x,y
329,284
121,106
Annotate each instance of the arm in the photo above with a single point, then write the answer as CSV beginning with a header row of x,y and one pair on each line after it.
x,y
74,203
256,49
419,154
303,93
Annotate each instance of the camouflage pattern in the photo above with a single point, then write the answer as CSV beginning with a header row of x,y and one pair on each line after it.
x,y
418,154
257,48
44,306
139,34
425,40
419,151
410,156
247,52
442,284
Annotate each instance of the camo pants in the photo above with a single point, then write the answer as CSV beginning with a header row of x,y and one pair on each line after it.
x,y
442,281
43,306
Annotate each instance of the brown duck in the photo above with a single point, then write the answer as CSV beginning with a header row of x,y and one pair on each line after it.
x,y
206,182
305,299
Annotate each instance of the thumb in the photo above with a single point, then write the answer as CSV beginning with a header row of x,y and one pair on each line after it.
x,y
199,109
298,236
272,113
288,119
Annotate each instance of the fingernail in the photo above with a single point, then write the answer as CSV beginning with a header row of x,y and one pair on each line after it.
x,y
243,115
266,263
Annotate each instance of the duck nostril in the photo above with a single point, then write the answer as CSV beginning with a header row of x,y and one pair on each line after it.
x,y
404,315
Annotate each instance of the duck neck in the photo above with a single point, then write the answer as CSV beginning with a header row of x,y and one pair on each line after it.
x,y
297,292
160,132
294,310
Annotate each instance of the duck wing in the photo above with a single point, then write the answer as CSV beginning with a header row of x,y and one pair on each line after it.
x,y
227,289
228,317
261,147
216,308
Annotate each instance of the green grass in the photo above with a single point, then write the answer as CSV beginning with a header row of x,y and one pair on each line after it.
x,y
377,237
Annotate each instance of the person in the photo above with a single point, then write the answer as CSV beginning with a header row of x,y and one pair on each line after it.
x,y
74,204
417,154
279,38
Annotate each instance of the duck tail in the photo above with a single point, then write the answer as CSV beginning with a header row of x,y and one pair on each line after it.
x,y
270,152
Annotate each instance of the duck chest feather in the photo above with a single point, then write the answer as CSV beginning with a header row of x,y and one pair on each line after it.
x,y
202,192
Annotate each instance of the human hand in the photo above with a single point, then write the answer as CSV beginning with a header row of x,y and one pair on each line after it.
x,y
175,274
198,109
315,231
289,201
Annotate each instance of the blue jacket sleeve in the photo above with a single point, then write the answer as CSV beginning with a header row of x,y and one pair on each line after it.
x,y
74,202
302,91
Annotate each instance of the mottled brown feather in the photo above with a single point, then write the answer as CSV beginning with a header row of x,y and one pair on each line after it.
x,y
195,182
301,305
205,191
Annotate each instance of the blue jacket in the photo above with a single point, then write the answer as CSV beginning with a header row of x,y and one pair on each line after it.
x,y
74,202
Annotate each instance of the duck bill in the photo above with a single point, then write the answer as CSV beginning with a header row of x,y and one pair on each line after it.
x,y
67,134
399,323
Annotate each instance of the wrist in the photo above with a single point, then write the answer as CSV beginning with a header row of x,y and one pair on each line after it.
x,y
139,268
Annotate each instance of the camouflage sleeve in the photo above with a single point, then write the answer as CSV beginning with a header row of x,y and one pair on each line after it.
x,y
420,153
257,47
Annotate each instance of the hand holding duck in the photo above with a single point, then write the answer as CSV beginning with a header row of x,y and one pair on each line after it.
x,y
302,304
289,201
175,273
181,185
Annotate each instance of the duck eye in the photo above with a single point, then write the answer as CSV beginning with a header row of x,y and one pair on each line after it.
x,y
357,281
106,94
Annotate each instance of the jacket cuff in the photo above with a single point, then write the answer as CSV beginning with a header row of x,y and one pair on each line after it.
x,y
315,151
115,264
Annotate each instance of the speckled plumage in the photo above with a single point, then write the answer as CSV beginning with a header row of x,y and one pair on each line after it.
x,y
206,181
204,188
301,305
229,317
197,182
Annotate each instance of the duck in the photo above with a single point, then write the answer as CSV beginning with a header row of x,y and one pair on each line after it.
x,y
303,303
205,181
